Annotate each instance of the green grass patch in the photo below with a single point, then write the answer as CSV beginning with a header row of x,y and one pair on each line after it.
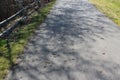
x,y
109,7
18,46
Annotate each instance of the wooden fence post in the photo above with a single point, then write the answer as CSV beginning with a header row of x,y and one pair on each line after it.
x,y
42,3
20,3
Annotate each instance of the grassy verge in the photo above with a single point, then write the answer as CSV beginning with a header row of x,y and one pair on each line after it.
x,y
18,46
109,7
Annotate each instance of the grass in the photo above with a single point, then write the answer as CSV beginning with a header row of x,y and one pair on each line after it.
x,y
109,7
18,46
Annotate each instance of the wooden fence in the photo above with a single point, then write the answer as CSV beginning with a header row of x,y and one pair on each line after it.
x,y
22,14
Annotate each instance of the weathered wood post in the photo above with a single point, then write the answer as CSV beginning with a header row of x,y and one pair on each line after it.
x,y
24,13
0,10
20,3
42,3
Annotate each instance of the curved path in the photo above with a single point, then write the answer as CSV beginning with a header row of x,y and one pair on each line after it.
x,y
76,42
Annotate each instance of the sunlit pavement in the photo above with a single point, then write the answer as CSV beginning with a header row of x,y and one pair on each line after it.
x,y
76,42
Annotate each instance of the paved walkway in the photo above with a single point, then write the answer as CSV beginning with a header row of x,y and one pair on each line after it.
x,y
76,42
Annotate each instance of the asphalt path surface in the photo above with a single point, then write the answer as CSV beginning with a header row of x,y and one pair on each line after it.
x,y
76,42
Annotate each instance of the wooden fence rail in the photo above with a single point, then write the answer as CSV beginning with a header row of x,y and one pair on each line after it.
x,y
5,31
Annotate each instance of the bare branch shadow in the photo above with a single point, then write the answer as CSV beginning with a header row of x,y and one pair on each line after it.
x,y
61,48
